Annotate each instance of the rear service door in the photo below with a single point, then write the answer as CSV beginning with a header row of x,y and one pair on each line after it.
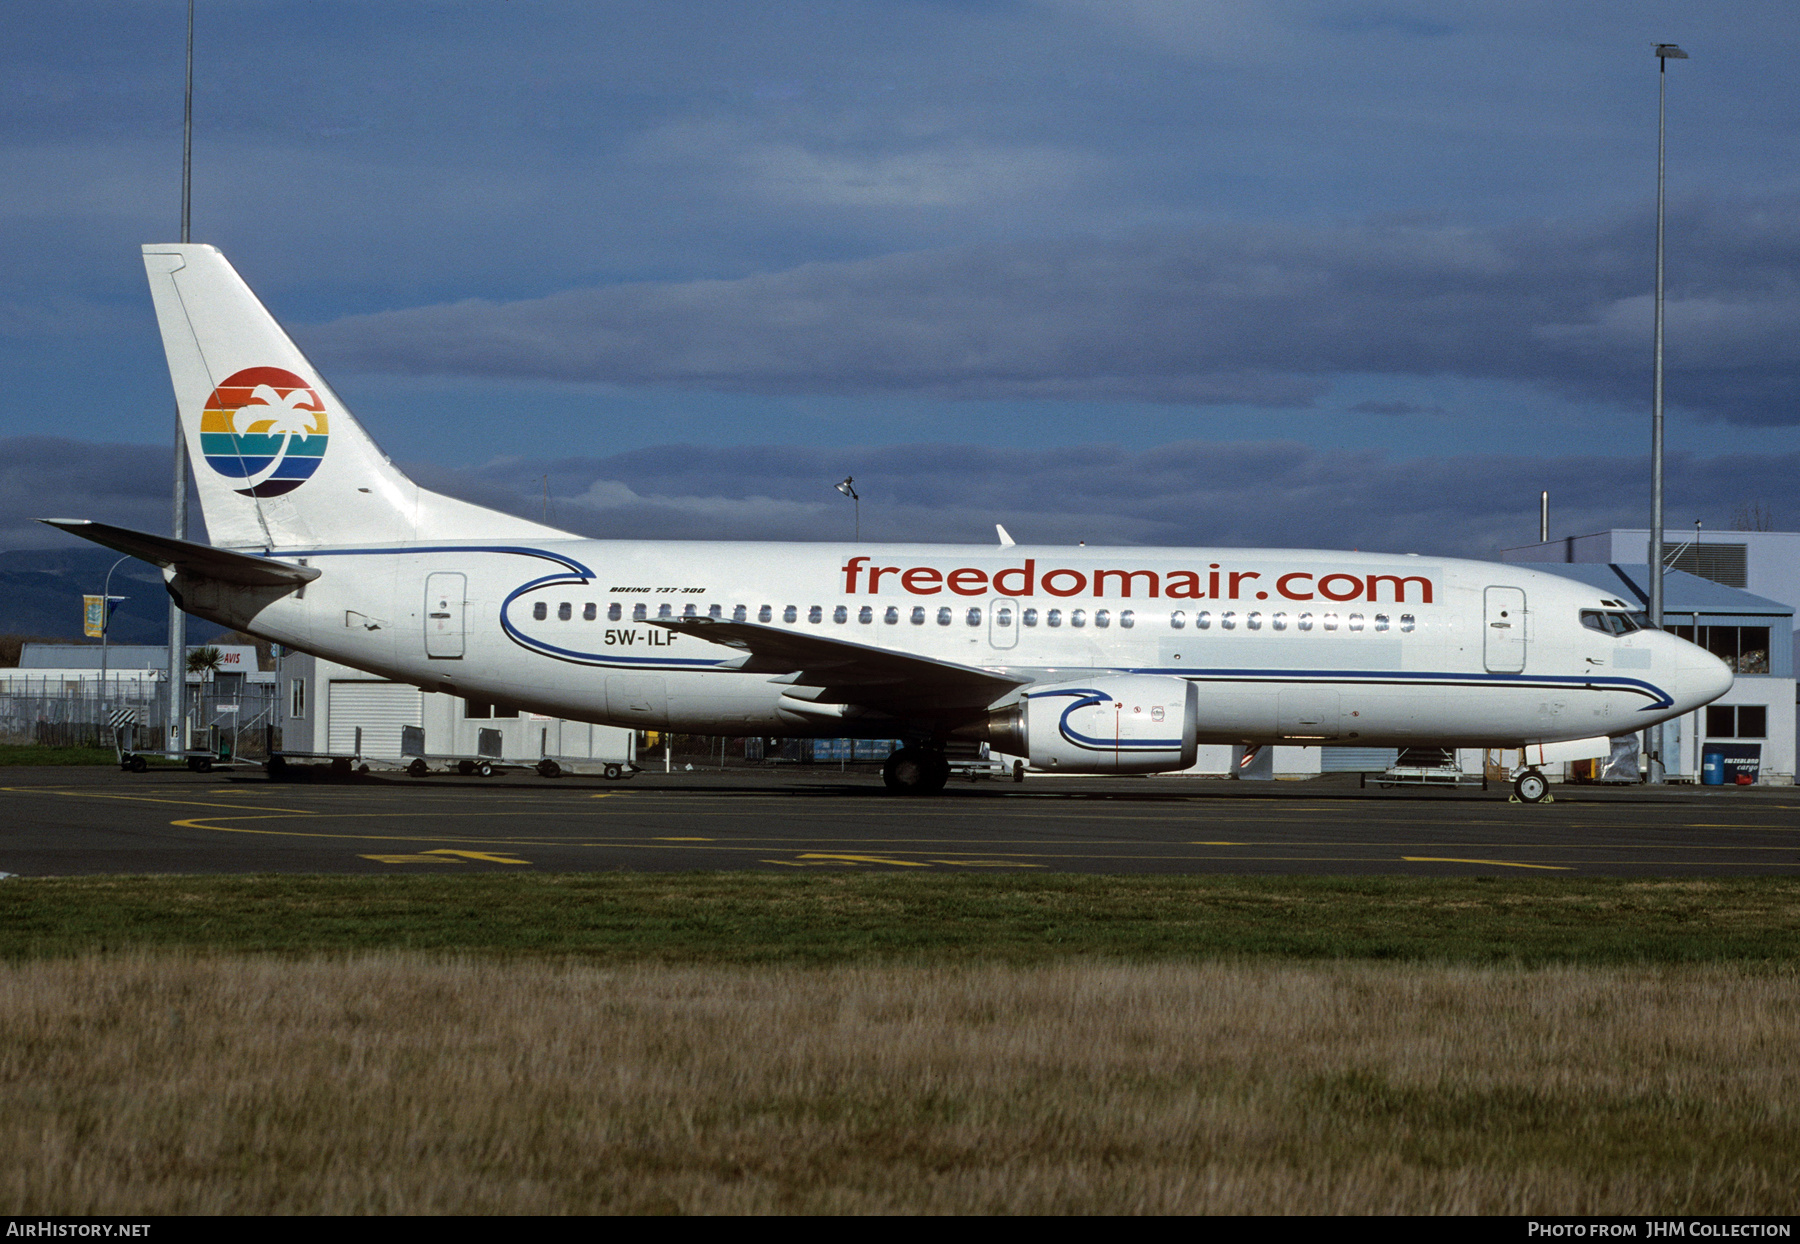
x,y
444,606
1504,647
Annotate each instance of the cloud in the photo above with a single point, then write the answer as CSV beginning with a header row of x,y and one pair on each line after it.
x,y
1263,314
49,477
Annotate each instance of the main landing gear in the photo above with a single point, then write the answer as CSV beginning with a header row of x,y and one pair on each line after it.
x,y
916,771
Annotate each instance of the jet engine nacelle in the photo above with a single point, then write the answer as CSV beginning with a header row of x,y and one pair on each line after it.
x,y
1126,723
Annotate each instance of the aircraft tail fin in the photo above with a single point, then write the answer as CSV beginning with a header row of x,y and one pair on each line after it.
x,y
279,461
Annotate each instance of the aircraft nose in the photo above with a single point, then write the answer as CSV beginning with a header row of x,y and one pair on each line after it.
x,y
1701,677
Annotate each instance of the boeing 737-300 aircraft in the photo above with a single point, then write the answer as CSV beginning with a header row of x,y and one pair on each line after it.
x,y
1082,660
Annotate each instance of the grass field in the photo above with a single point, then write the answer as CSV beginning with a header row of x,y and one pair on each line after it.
x,y
737,1043
37,754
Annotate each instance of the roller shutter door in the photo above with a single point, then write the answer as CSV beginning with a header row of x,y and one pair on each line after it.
x,y
380,708
1356,759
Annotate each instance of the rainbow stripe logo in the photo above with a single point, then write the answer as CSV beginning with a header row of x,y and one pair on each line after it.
x,y
266,427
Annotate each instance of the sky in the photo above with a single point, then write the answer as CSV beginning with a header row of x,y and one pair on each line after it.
x,y
1159,272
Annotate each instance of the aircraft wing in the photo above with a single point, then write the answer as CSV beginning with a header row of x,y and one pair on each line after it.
x,y
201,560
859,673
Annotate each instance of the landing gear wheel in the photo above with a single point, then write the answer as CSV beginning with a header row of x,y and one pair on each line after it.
x,y
1530,786
484,769
137,764
915,771
418,768
612,773
548,768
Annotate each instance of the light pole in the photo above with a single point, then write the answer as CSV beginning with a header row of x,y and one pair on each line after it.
x,y
845,488
1665,52
106,600
176,741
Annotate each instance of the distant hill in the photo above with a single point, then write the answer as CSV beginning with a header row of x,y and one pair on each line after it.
x,y
41,591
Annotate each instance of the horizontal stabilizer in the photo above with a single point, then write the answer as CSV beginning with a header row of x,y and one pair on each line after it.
x,y
877,677
201,560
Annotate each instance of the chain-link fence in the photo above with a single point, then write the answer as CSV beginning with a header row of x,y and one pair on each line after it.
x,y
55,712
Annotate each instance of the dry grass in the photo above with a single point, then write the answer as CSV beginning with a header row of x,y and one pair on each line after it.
x,y
395,1083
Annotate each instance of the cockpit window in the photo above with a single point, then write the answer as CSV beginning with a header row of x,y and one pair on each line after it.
x,y
1607,622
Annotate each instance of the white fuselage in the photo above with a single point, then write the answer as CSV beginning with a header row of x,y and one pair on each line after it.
x,y
1301,646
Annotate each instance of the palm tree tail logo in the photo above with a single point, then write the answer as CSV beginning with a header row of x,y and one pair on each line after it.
x,y
264,429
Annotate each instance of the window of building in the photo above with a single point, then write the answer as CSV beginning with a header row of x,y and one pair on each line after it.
x,y
1744,648
298,707
1737,721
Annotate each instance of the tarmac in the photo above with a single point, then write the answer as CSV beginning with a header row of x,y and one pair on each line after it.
x,y
99,821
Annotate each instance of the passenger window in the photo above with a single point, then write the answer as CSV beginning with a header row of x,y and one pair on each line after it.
x,y
892,616
564,611
1077,617
666,610
690,611
639,612
1053,618
944,616
974,618
1102,619
1178,619
1356,621
739,613
1253,620
1003,616
614,611
815,614
765,614
715,611
790,614
1406,622
1304,622
865,615
590,612
1029,617
1278,621
1330,621
918,615
1228,620
1381,621
1203,620
840,614
540,611
1126,621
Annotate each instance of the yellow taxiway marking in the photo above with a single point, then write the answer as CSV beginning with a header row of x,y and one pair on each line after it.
x,y
410,859
1445,859
987,864
489,857
817,858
